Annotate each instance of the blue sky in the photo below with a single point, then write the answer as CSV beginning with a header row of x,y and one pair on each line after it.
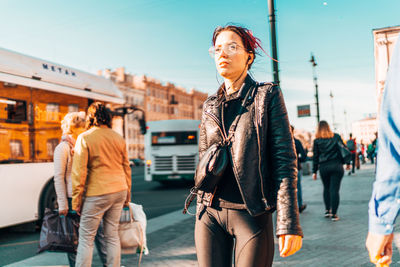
x,y
169,40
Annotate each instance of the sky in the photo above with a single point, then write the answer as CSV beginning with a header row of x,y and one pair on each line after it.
x,y
169,40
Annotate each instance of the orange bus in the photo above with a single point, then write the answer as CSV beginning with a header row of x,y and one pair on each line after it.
x,y
35,95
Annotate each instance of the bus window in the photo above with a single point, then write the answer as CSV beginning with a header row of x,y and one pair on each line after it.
x,y
51,146
16,150
73,108
174,138
52,110
16,110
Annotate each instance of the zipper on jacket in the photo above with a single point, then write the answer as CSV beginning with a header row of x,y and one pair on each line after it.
x,y
218,123
259,154
216,120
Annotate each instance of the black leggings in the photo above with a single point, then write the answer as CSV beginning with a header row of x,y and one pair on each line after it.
x,y
331,176
219,232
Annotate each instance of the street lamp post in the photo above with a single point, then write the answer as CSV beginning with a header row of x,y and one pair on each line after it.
x,y
314,64
274,47
124,110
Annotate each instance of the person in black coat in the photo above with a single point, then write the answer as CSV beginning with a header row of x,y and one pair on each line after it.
x,y
301,157
327,160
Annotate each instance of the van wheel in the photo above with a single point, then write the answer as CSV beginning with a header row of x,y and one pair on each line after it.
x,y
49,199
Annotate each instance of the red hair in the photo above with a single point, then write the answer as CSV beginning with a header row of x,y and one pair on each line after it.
x,y
250,42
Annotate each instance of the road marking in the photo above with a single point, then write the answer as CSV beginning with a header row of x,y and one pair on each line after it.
x,y
19,243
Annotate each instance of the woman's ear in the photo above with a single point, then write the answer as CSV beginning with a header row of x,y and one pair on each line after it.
x,y
250,59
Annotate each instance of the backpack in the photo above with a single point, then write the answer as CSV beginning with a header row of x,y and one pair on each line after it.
x,y
351,145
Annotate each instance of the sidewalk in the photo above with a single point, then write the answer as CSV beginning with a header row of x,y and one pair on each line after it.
x,y
326,243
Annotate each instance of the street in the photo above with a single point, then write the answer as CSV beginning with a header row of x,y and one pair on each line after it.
x,y
21,242
170,237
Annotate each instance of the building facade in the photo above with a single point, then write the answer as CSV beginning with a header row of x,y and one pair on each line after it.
x,y
133,97
364,130
159,101
384,42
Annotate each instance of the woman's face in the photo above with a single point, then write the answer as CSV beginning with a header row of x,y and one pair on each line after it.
x,y
230,57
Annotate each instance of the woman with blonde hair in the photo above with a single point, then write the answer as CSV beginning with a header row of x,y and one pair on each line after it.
x,y
327,160
72,125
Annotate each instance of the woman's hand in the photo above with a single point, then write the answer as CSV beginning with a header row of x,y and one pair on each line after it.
x,y
289,244
314,176
78,210
63,212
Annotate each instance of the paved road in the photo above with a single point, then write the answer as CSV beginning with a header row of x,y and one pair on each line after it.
x,y
18,243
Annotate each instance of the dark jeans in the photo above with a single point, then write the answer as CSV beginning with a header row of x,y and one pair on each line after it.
x,y
331,176
299,190
99,242
220,232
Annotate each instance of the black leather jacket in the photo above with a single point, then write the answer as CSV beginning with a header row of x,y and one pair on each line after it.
x,y
262,154
325,149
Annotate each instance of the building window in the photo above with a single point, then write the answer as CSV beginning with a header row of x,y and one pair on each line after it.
x,y
16,110
173,101
16,150
73,108
51,145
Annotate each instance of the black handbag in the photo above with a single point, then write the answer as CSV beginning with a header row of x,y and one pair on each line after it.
x,y
344,152
59,234
213,163
211,167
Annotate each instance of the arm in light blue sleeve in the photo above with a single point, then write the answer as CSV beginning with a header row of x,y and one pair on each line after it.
x,y
384,205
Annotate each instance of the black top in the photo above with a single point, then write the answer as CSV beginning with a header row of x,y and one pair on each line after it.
x,y
228,194
301,154
326,149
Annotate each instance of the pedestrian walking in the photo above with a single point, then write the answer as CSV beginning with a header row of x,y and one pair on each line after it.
x,y
375,147
301,157
101,184
384,204
362,153
327,160
352,146
72,125
236,216
370,153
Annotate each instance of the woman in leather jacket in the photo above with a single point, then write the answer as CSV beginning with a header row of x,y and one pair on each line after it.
x,y
327,159
262,170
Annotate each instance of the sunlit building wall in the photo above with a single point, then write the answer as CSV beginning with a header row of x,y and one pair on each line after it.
x,y
133,97
160,101
384,42
364,130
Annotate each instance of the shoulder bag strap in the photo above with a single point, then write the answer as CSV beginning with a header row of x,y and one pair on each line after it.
x,y
247,98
